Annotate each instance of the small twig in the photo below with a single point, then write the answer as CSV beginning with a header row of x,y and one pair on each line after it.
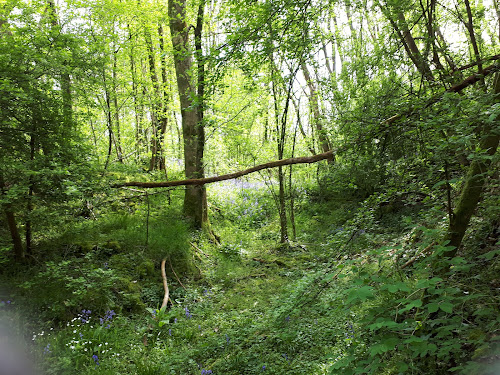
x,y
165,285
177,277
197,248
412,260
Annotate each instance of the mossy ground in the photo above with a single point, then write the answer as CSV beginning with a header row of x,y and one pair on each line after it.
x,y
246,306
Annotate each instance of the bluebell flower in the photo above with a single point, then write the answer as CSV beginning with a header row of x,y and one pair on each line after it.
x,y
46,350
188,314
263,367
203,372
85,316
227,339
96,359
108,316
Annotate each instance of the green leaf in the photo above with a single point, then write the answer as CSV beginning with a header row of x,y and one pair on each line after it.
x,y
402,367
446,307
361,294
385,346
394,288
411,305
433,307
490,254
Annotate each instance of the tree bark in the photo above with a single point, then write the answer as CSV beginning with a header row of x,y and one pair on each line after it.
x,y
65,81
156,114
137,104
108,117
230,176
400,26
118,143
12,224
195,200
314,103
472,35
474,182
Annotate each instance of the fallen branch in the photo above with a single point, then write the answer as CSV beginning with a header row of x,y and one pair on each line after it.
x,y
412,260
208,180
177,277
265,261
198,249
165,285
473,79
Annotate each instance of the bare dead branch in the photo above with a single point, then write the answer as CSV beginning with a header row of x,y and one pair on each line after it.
x,y
472,79
208,180
165,285
175,274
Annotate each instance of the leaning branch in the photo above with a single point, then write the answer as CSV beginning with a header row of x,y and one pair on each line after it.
x,y
455,88
208,180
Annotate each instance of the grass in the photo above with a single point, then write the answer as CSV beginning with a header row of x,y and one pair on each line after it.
x,y
244,307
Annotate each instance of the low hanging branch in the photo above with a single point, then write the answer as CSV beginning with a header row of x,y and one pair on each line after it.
x,y
208,180
472,79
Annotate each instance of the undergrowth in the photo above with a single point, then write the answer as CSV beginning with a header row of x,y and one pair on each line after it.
x,y
355,293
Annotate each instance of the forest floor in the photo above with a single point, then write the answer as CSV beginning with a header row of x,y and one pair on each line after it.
x,y
247,306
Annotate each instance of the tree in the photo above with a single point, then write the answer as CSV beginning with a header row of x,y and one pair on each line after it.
x,y
191,86
38,141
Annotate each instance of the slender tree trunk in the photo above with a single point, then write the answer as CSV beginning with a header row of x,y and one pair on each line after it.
x,y
156,115
135,93
29,202
401,28
314,104
109,119
472,35
497,10
12,224
166,95
474,182
118,142
290,189
65,81
195,200
280,130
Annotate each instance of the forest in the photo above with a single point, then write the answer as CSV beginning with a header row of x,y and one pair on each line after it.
x,y
249,187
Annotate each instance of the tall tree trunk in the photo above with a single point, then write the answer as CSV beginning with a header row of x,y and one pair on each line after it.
x,y
497,10
472,35
314,104
474,181
137,104
156,115
65,81
29,201
108,118
195,199
118,141
12,224
164,103
401,28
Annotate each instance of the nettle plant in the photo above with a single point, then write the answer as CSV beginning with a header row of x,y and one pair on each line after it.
x,y
418,320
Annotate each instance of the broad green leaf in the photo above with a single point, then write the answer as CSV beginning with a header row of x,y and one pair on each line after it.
x,y
433,307
446,307
361,294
